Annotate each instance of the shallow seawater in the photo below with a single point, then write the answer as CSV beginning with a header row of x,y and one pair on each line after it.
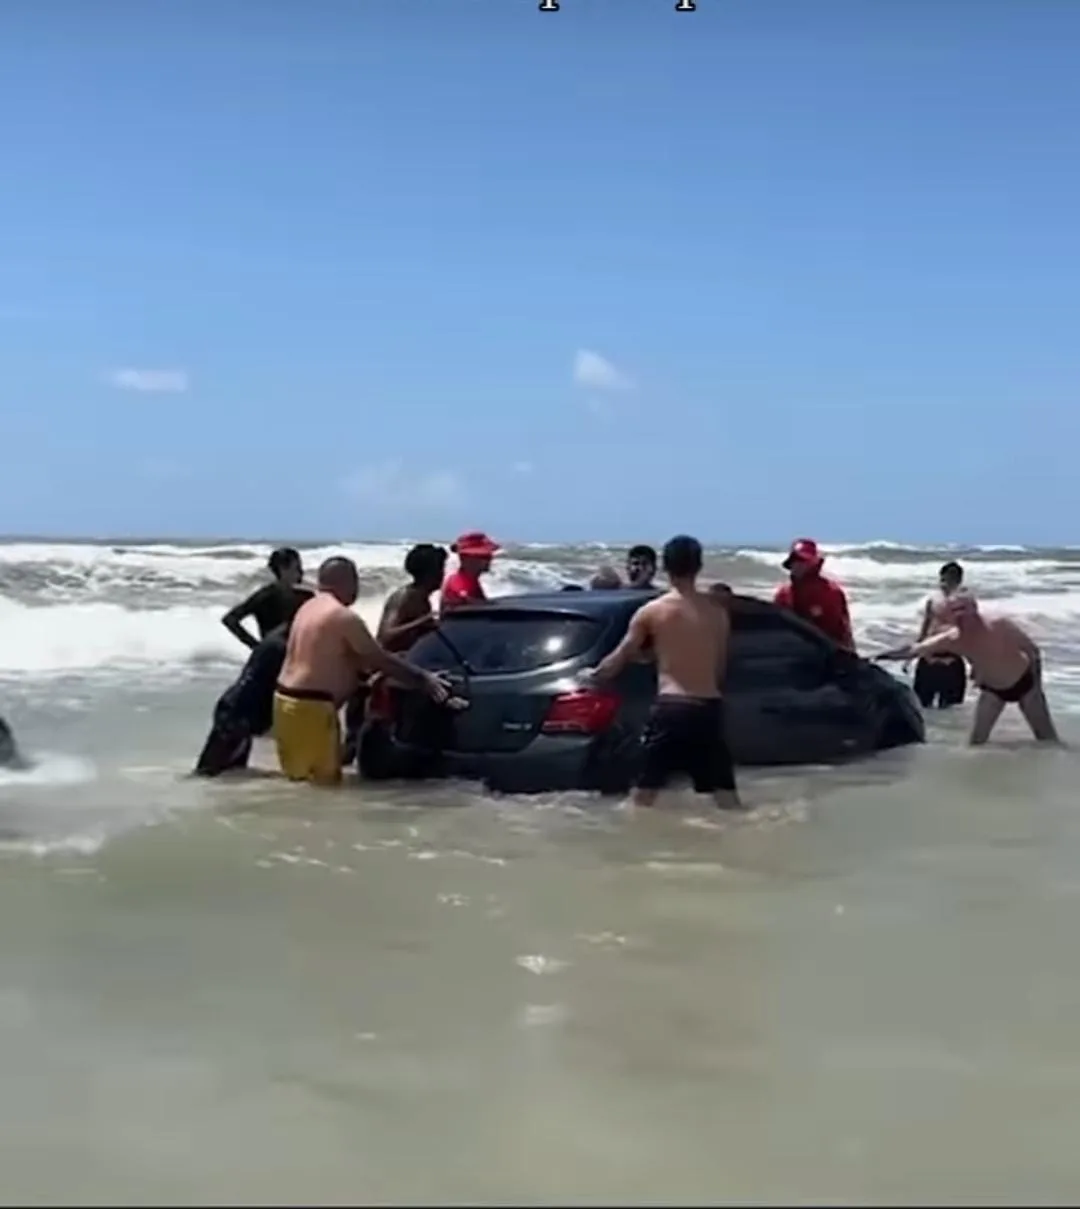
x,y
248,993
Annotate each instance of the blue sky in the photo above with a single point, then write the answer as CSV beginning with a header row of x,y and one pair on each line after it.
x,y
347,268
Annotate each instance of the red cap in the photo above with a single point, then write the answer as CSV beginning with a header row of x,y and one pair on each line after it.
x,y
475,545
805,550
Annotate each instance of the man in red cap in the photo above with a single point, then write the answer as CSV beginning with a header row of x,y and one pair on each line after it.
x,y
813,596
475,552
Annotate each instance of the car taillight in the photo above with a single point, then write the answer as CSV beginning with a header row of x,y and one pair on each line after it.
x,y
582,712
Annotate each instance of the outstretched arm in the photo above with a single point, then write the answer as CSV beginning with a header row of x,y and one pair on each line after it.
x,y
937,645
631,647
368,651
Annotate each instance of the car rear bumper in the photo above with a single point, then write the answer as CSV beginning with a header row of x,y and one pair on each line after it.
x,y
550,764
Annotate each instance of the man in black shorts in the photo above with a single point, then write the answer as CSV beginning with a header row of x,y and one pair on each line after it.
x,y
942,678
245,710
689,636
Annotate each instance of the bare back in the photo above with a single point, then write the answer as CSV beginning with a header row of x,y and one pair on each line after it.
x,y
689,633
407,604
320,657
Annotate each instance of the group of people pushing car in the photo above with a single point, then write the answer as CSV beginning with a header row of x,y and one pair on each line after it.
x,y
315,656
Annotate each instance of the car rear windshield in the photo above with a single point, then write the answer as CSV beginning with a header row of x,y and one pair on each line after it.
x,y
495,645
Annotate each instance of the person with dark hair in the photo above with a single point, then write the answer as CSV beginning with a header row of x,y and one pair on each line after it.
x,y
274,603
329,650
406,616
813,596
641,567
689,637
941,678
245,710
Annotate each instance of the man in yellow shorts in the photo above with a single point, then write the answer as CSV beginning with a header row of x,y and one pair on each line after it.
x,y
329,649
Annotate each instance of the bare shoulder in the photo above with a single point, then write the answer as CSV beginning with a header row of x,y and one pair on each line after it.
x,y
1008,626
713,611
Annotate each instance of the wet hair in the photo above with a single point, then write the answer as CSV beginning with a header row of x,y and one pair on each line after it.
x,y
426,561
952,570
683,557
644,554
336,569
282,557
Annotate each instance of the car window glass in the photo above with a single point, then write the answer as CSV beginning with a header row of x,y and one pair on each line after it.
x,y
496,645
768,651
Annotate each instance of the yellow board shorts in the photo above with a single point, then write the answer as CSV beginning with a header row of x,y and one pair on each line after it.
x,y
308,736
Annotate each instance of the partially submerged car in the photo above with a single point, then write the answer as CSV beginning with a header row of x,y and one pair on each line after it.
x,y
531,726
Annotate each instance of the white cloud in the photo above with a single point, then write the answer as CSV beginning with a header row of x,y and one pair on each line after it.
x,y
151,381
597,373
390,485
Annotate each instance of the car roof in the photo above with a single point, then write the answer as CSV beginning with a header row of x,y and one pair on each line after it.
x,y
592,602
571,601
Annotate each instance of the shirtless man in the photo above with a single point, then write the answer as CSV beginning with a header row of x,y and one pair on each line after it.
x,y
407,614
1005,663
689,637
941,678
329,649
406,617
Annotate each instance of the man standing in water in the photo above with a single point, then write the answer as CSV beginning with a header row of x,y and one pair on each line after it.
x,y
329,649
689,637
941,678
406,617
274,603
475,552
1005,663
813,596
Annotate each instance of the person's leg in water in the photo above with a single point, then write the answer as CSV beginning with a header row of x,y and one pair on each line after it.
x,y
687,736
658,756
228,746
712,770
1036,711
988,708
952,685
924,684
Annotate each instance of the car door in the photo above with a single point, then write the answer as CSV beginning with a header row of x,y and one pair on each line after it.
x,y
790,699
